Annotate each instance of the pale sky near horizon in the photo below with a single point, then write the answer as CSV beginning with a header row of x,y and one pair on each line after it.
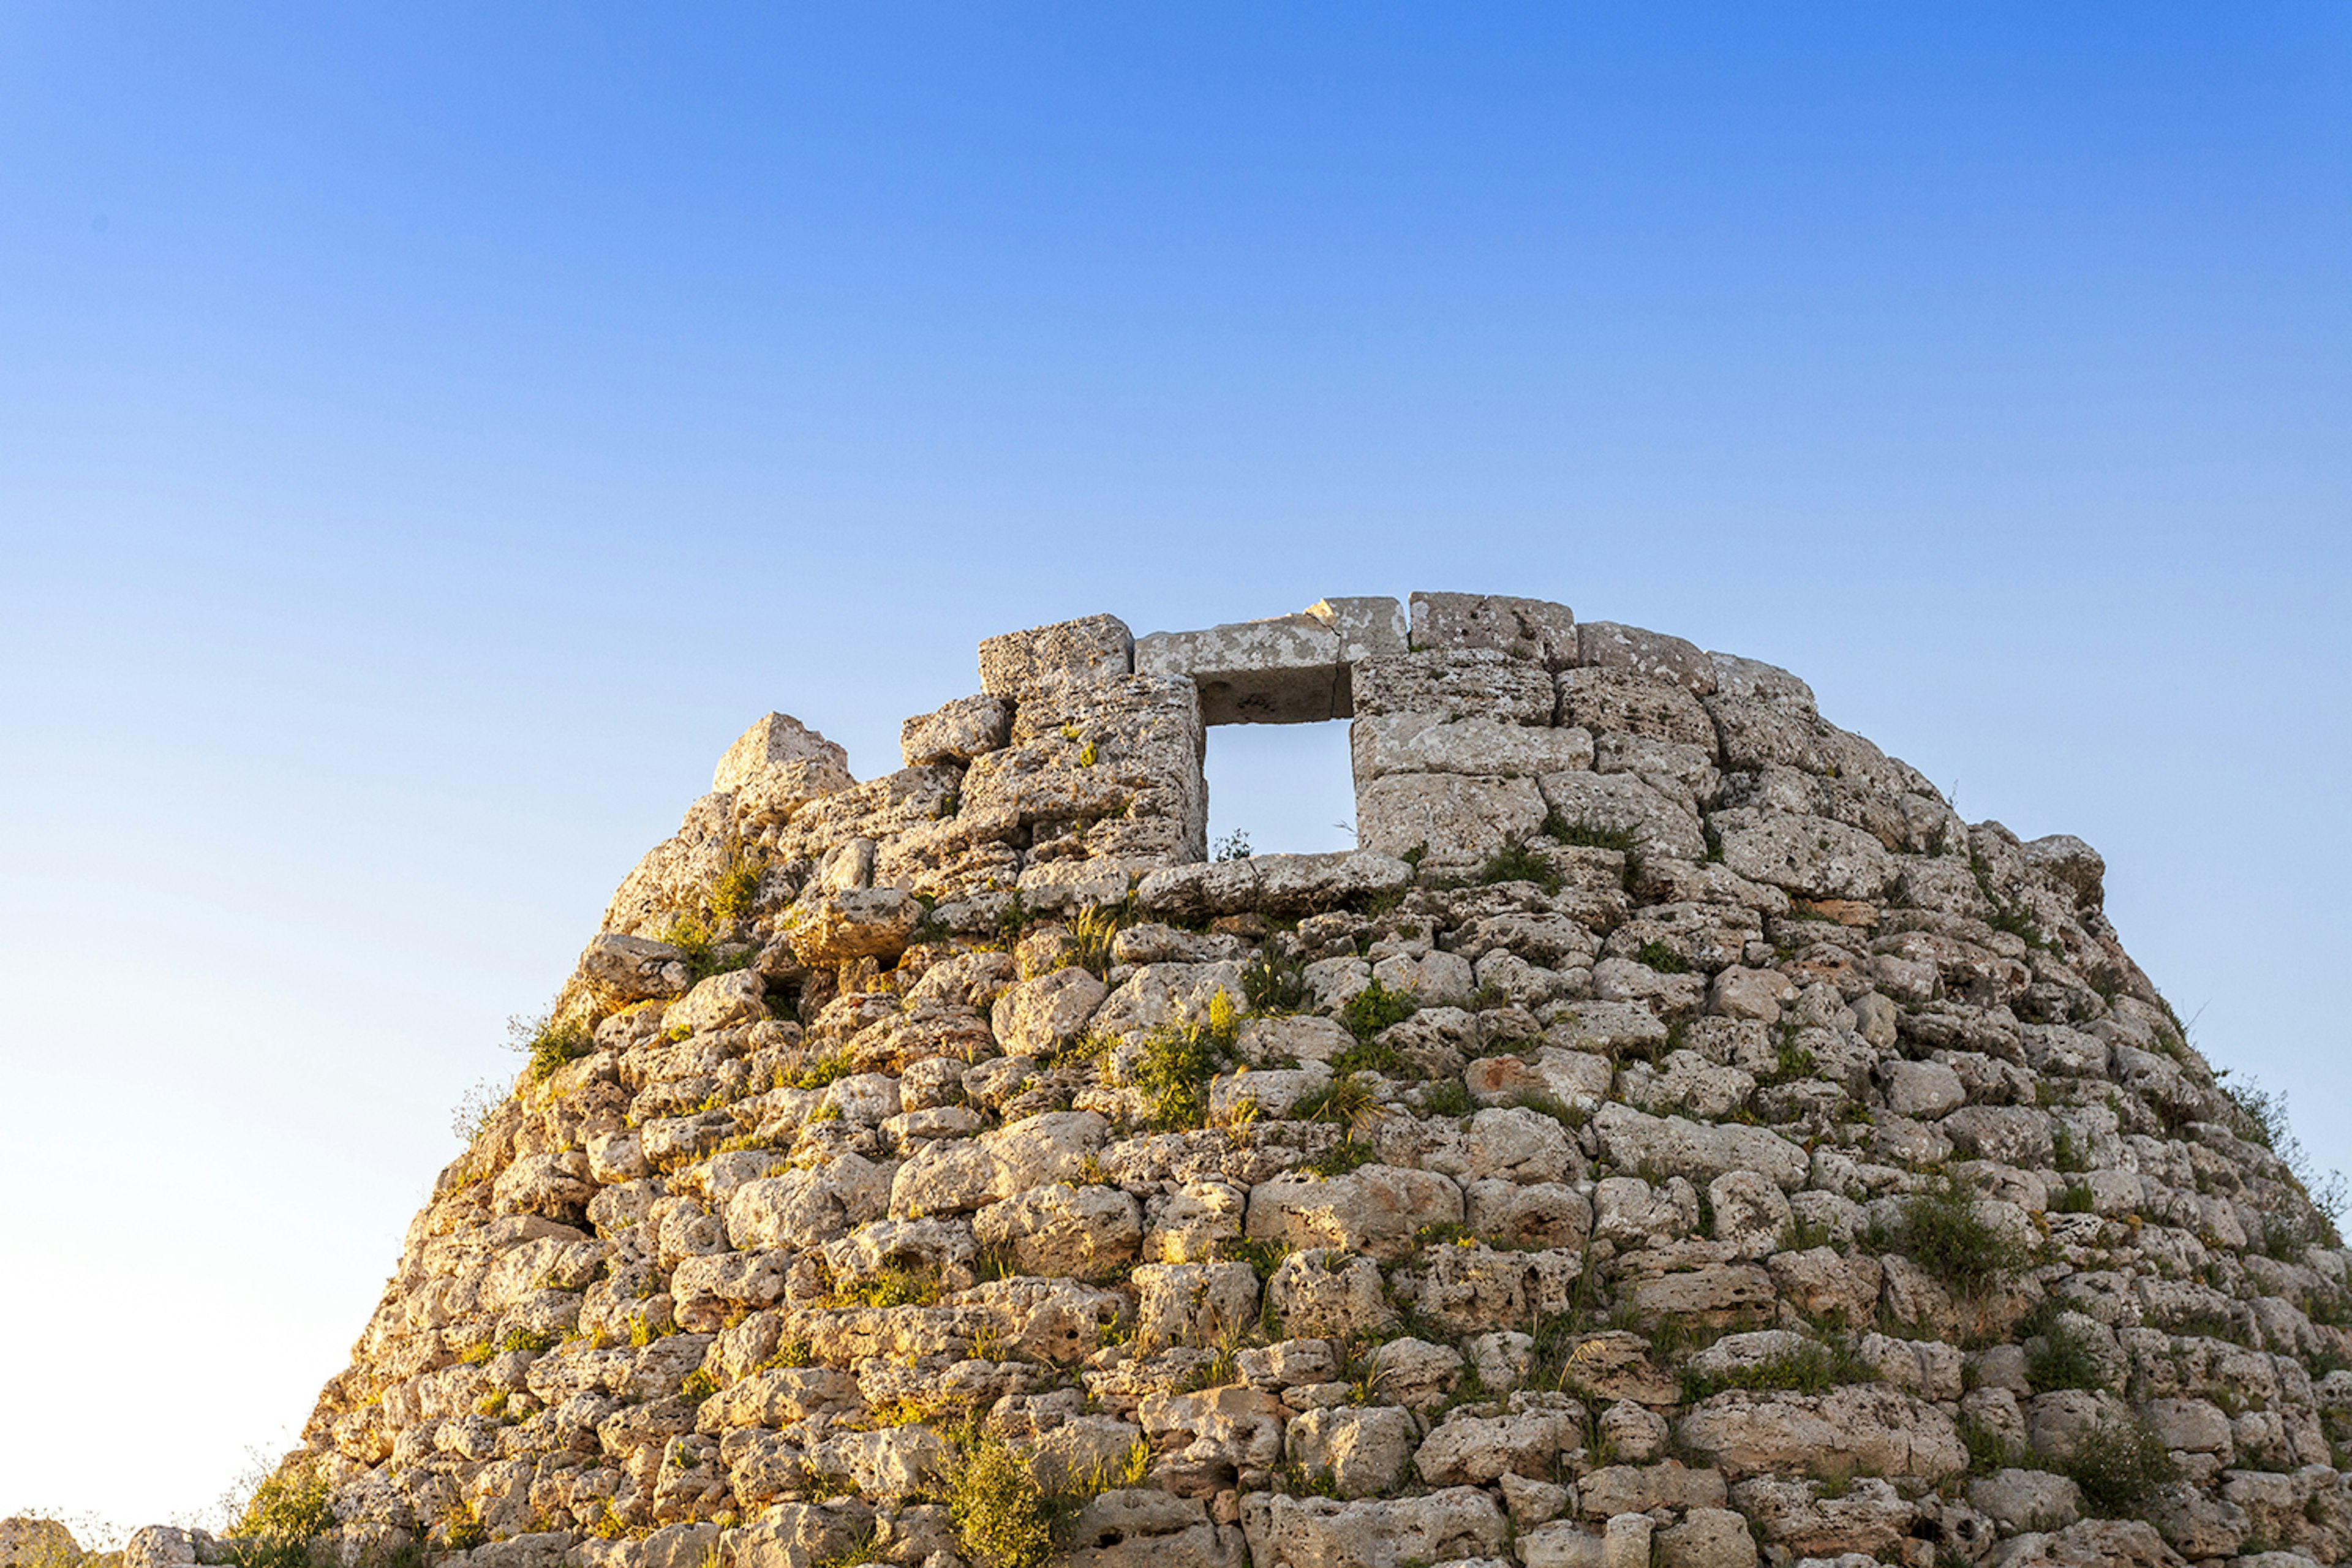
x,y
429,435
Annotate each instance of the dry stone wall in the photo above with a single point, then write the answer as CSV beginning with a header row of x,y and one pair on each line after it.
x,y
1674,1137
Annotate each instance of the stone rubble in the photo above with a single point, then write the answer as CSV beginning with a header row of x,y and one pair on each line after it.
x,y
1554,1180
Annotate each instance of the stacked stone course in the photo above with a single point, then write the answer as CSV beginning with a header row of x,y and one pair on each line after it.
x,y
852,1158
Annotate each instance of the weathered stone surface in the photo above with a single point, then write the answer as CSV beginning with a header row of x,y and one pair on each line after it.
x,y
1533,629
1468,683
1450,815
1040,1017
1861,1428
1374,1210
1059,1229
1622,803
1360,1451
957,732
778,765
1284,670
1630,1140
1324,1532
1610,645
1438,744
1604,700
625,969
857,922
1278,885
1091,647
954,1175
1807,854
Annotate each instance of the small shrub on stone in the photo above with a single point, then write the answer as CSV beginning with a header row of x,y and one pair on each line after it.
x,y
1274,984
2120,1464
549,1044
1941,1232
2063,1358
1808,1369
283,1520
1374,1008
1518,863
1000,1515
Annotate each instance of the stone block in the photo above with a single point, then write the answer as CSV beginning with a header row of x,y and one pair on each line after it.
x,y
1092,647
1532,629
1447,815
1429,743
1609,645
1283,670
1464,683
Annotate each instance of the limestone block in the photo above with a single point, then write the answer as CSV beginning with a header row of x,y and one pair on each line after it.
x,y
2072,864
1447,815
1063,1230
1741,993
1192,1303
954,1175
1279,886
1533,629
1038,1017
1561,1543
1276,1093
1434,979
1606,701
1320,1291
2027,1499
1606,1027
1711,1290
859,922
1017,664
1865,1427
778,765
1922,1089
1622,802
956,733
1282,670
1360,1450
1811,856
1630,1138
1519,1145
720,1002
1303,1037
1629,1212
1188,1224
1287,1531
1374,1209
623,969
1364,627
1431,743
1751,1213
1476,1450
1928,1368
1219,1429
1163,994
1469,683
1610,645
1821,1280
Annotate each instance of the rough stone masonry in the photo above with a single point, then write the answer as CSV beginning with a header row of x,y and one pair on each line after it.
x,y
1674,1137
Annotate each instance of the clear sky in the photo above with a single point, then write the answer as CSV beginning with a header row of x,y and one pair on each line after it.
x,y
430,434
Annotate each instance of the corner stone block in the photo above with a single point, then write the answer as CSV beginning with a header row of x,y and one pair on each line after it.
x,y
1524,628
1282,670
1091,647
1365,627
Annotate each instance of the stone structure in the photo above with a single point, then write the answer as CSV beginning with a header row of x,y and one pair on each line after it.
x,y
1672,1137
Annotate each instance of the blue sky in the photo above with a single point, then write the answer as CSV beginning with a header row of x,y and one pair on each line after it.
x,y
428,435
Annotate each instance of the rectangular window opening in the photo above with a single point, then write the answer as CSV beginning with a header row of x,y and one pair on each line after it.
x,y
1280,789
